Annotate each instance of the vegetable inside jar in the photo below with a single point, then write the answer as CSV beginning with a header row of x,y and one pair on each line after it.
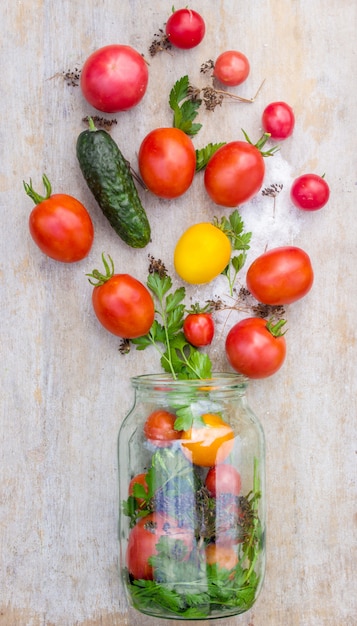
x,y
192,501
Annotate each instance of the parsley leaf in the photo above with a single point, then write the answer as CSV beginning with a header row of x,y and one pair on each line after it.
x,y
203,155
185,113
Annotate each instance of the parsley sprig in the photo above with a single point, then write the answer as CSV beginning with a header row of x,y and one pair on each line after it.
x,y
185,108
233,227
177,356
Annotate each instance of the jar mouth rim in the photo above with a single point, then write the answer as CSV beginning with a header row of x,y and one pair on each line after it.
x,y
218,380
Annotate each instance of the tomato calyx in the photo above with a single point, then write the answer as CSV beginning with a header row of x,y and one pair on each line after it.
x,y
198,308
275,328
96,278
36,196
261,143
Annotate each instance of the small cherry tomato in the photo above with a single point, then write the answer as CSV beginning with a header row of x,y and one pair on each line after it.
x,y
122,304
210,443
201,253
185,28
231,68
198,328
280,276
225,557
255,348
159,428
223,478
235,172
60,225
114,78
278,120
140,481
167,162
144,537
310,192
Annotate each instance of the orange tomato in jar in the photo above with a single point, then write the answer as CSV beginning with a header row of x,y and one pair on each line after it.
x,y
225,557
210,443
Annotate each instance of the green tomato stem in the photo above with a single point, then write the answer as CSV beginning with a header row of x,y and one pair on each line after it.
x,y
36,196
275,329
96,278
261,143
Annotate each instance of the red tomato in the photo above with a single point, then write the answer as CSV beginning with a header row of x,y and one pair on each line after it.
x,y
253,350
159,428
144,537
223,478
122,304
114,78
234,174
310,192
225,557
198,329
280,276
231,68
210,443
139,479
60,225
185,28
278,120
167,162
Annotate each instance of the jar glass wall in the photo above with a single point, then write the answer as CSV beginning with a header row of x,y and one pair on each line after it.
x,y
192,502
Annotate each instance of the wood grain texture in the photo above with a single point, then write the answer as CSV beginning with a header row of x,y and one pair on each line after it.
x,y
66,388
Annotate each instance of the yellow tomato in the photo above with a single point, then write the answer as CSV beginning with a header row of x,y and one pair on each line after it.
x,y
202,253
209,444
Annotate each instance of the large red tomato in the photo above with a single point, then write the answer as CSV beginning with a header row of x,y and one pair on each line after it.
x,y
280,276
114,78
167,162
60,225
234,174
122,304
144,537
254,349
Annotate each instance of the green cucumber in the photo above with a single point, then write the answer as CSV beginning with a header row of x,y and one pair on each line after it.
x,y
108,176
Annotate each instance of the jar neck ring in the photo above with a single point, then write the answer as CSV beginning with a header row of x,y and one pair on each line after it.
x,y
222,381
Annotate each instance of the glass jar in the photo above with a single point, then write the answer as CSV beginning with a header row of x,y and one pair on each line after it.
x,y
192,506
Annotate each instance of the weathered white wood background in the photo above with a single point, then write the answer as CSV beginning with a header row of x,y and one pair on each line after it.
x,y
64,386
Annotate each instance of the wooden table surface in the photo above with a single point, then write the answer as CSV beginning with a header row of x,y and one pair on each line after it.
x,y
65,385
